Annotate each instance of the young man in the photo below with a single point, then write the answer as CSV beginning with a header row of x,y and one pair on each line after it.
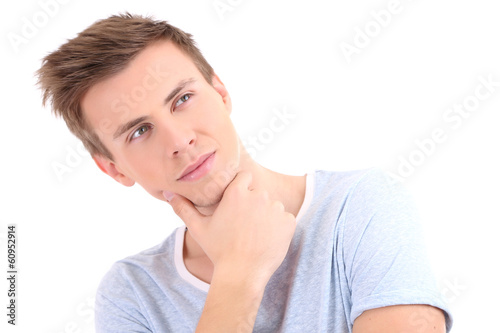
x,y
261,251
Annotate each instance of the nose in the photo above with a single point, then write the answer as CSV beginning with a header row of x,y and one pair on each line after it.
x,y
178,138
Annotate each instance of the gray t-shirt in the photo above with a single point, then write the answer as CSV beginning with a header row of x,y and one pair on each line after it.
x,y
358,245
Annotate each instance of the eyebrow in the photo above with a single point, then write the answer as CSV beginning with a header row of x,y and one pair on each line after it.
x,y
181,85
128,125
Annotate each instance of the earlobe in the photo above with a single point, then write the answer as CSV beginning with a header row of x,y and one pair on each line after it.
x,y
110,168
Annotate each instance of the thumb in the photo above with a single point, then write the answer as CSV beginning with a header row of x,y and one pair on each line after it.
x,y
185,210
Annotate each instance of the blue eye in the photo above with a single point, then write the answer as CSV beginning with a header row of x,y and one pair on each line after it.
x,y
140,131
183,99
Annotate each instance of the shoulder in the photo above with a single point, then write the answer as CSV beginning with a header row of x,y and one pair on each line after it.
x,y
361,198
130,293
346,181
135,269
369,188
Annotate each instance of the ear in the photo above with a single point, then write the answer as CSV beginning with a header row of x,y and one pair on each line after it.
x,y
109,167
221,90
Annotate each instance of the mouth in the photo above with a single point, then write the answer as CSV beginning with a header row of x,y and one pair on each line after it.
x,y
199,168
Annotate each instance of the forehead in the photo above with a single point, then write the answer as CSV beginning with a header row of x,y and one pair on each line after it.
x,y
143,84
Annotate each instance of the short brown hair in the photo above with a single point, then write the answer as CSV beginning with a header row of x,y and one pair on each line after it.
x,y
100,51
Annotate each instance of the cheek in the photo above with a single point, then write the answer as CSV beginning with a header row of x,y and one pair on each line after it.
x,y
217,121
142,166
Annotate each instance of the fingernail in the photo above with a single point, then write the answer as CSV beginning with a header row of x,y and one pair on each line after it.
x,y
168,195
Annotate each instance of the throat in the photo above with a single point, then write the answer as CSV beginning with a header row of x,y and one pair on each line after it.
x,y
196,261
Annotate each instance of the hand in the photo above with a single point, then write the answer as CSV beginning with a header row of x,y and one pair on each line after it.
x,y
247,235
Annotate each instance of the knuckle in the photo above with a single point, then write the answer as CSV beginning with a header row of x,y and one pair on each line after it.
x,y
278,205
262,195
290,217
235,190
181,210
242,177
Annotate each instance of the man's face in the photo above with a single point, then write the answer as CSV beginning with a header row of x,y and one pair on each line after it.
x,y
158,117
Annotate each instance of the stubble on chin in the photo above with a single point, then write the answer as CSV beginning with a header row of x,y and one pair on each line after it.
x,y
212,192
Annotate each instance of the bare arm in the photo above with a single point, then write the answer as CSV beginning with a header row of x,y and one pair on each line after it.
x,y
231,306
415,318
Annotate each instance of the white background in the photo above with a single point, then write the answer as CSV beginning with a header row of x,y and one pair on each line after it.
x,y
270,54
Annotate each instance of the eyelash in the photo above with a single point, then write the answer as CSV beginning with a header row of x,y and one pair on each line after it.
x,y
149,126
135,131
180,98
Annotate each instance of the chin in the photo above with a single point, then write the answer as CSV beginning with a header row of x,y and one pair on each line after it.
x,y
208,201
212,191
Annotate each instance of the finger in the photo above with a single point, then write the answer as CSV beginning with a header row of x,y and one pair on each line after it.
x,y
185,210
279,205
243,179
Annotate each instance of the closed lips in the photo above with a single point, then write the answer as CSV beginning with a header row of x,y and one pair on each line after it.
x,y
195,165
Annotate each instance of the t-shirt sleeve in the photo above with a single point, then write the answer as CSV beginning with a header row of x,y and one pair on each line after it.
x,y
116,307
386,262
